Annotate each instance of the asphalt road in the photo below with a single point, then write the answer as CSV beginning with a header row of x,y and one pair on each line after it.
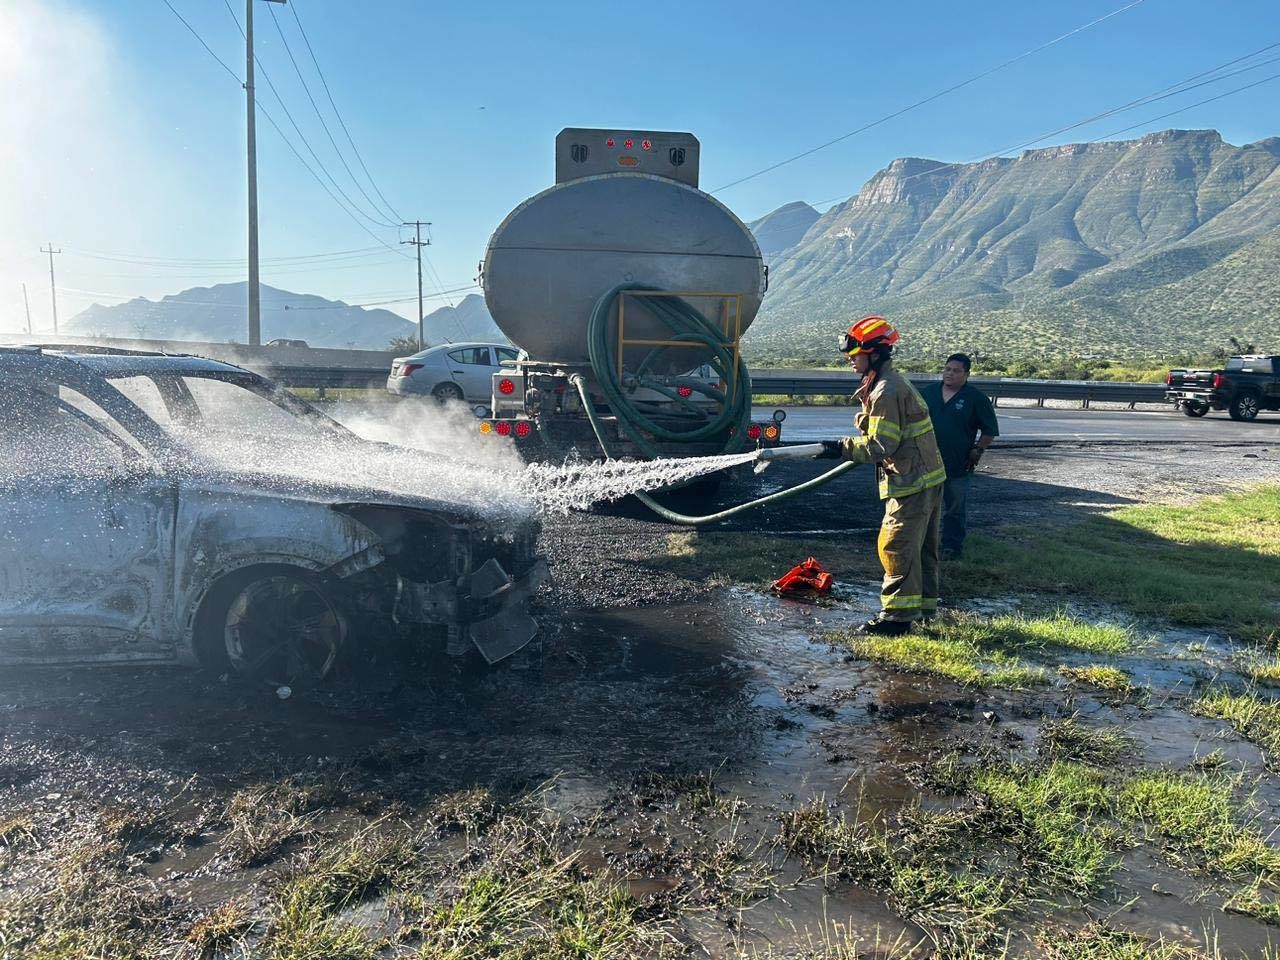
x,y
1036,423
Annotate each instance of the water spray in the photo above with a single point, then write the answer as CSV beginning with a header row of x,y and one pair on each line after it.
x,y
762,458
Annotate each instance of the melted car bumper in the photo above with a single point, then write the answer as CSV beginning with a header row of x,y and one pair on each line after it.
x,y
490,605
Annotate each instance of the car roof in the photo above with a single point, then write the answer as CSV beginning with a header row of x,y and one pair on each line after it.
x,y
125,363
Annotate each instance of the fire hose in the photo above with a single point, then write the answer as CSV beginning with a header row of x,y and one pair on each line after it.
x,y
687,325
764,456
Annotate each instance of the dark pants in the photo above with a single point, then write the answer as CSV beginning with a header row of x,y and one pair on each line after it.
x,y
955,497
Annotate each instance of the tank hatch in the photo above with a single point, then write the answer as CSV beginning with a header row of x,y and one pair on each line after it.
x,y
584,152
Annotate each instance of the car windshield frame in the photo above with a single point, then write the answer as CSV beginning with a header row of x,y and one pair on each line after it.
x,y
183,408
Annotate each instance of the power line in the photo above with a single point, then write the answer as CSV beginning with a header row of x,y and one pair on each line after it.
x,y
281,133
319,116
293,7
929,99
1182,86
376,221
1190,106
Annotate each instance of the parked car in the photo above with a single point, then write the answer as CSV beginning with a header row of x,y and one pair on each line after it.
x,y
1246,386
282,342
127,538
451,371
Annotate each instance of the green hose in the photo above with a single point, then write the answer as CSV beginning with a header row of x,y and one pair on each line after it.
x,y
687,325
685,519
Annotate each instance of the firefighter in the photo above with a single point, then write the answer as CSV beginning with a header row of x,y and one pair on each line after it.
x,y
896,434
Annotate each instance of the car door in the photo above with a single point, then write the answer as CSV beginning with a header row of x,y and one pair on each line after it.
x,y
472,369
87,520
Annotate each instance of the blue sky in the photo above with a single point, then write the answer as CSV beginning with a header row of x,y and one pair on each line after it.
x,y
125,139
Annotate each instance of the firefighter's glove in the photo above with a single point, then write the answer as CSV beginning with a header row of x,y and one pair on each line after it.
x,y
831,450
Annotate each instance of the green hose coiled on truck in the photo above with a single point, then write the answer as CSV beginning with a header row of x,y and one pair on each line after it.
x,y
687,325
690,326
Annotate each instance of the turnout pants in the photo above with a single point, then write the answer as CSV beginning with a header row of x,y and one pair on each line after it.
x,y
909,554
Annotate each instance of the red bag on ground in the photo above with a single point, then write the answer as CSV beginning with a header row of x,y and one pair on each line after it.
x,y
808,577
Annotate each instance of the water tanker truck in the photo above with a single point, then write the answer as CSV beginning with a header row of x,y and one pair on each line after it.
x,y
629,290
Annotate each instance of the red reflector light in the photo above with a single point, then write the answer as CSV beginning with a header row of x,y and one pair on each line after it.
x,y
408,368
503,427
685,391
610,143
524,428
628,144
646,144
506,386
753,432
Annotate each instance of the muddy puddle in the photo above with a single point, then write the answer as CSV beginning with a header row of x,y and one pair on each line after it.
x,y
665,745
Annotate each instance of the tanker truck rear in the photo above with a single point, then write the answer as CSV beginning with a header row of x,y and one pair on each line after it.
x,y
629,289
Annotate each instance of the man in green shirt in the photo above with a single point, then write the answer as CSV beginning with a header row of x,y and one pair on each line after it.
x,y
964,423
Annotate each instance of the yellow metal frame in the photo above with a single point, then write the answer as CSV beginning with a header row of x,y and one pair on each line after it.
x,y
727,316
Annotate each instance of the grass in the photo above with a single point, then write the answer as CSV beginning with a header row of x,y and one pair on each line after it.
x,y
1196,816
91,901
1262,668
1254,718
1104,676
983,652
523,900
926,868
1053,817
220,930
1215,563
1103,942
1069,739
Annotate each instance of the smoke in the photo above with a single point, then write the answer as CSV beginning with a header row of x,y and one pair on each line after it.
x,y
449,430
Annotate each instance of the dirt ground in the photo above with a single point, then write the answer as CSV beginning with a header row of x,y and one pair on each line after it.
x,y
670,723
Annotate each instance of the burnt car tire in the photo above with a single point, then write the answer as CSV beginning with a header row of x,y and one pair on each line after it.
x,y
447,392
1244,407
271,626
1193,409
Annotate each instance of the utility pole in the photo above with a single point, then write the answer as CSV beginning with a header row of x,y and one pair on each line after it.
x,y
27,303
53,288
418,243
255,298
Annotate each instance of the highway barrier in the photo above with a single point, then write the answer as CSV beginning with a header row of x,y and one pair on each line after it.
x,y
320,368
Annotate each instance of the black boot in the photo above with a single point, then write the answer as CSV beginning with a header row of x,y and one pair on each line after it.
x,y
885,628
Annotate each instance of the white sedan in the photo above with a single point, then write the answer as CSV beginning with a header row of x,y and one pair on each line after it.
x,y
451,371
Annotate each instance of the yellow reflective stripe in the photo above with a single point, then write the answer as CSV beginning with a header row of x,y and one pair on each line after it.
x,y
877,426
928,603
875,326
898,602
919,428
931,479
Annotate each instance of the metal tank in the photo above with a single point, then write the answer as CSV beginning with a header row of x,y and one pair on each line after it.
x,y
626,212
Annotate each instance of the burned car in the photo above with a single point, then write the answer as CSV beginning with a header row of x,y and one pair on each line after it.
x,y
175,509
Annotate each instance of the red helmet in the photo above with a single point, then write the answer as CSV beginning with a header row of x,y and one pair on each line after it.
x,y
866,335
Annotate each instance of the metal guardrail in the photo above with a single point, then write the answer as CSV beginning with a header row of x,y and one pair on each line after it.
x,y
808,383
320,368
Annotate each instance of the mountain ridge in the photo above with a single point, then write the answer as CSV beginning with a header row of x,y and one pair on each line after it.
x,y
1059,239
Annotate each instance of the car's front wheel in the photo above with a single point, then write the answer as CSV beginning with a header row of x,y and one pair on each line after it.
x,y
447,392
277,626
